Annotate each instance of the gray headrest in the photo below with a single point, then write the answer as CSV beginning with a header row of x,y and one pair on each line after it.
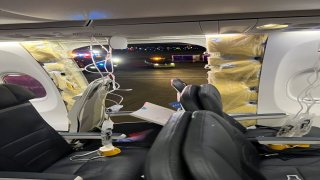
x,y
12,95
178,85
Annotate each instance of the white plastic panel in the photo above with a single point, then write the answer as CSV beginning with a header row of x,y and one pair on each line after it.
x,y
236,26
12,18
14,58
209,27
287,62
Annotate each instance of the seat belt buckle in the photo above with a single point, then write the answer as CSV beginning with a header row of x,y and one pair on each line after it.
x,y
293,177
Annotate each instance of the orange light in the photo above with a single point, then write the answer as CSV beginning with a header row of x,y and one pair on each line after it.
x,y
157,58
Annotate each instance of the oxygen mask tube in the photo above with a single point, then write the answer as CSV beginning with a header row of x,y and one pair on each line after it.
x,y
300,124
107,149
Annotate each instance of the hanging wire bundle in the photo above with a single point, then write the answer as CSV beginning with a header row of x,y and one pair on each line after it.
x,y
300,124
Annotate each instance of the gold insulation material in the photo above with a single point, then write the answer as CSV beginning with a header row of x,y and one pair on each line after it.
x,y
64,72
235,67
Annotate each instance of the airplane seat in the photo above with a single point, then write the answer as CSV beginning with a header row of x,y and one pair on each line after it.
x,y
164,160
207,97
29,146
195,98
210,99
88,111
213,149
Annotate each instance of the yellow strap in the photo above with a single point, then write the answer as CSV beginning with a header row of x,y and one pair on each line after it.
x,y
112,152
280,147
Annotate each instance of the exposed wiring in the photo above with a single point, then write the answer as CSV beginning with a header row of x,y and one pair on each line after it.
x,y
109,76
93,60
121,97
307,92
115,102
115,85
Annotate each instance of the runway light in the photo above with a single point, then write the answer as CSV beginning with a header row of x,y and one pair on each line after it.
x,y
116,60
272,26
96,51
157,58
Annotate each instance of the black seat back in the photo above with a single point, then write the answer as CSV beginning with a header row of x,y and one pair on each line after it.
x,y
210,100
215,150
189,98
206,97
165,161
27,142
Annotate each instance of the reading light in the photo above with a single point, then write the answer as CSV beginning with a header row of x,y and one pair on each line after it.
x,y
272,26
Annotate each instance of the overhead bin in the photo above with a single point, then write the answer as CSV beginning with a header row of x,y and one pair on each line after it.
x,y
227,26
236,26
158,29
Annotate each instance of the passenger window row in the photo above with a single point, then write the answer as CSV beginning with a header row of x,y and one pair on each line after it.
x,y
194,144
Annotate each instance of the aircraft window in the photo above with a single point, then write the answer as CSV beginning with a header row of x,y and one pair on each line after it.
x,y
147,69
26,81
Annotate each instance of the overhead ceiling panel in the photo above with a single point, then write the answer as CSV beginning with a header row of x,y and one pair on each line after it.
x,y
80,32
142,30
63,10
44,25
12,18
209,27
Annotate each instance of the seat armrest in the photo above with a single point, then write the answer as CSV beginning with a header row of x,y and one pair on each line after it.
x,y
266,116
89,135
286,140
120,113
34,175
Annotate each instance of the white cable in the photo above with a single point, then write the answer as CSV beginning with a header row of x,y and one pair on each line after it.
x,y
306,92
115,102
115,85
121,97
78,157
93,60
